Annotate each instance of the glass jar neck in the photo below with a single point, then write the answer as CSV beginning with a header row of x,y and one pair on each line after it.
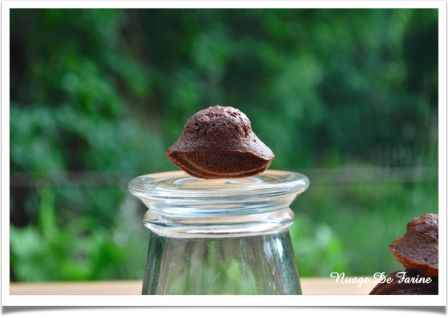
x,y
186,207
218,219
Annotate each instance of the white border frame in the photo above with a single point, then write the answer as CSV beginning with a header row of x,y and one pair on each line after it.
x,y
140,300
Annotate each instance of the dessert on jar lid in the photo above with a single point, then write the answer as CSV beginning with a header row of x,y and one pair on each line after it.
x,y
218,142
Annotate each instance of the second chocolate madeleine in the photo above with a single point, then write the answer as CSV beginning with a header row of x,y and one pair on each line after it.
x,y
218,142
418,248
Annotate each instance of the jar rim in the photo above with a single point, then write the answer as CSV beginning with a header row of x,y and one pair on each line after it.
x,y
184,206
179,185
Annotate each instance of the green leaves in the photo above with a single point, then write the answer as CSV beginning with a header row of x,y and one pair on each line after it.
x,y
99,95
77,250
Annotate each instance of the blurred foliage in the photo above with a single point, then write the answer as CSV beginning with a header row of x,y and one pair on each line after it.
x,y
107,91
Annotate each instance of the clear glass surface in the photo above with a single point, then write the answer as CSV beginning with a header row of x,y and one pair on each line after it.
x,y
219,236
255,265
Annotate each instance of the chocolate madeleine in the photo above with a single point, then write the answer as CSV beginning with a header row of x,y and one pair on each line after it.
x,y
218,142
418,248
407,283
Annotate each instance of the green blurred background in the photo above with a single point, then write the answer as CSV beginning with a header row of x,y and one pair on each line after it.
x,y
348,97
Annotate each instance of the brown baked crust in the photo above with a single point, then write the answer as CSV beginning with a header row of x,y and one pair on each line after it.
x,y
218,142
401,288
418,248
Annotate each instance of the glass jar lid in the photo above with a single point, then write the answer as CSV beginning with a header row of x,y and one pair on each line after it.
x,y
180,205
179,185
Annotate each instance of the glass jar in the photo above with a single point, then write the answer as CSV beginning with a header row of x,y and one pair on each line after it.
x,y
220,236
